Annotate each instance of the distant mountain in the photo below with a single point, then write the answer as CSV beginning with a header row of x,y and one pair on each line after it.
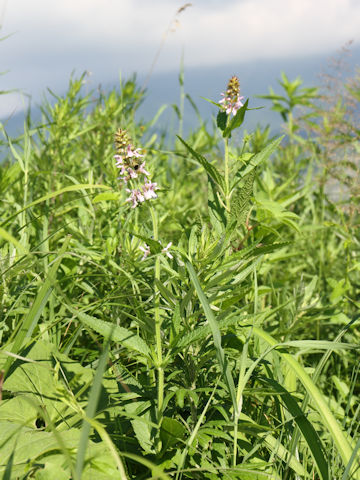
x,y
255,78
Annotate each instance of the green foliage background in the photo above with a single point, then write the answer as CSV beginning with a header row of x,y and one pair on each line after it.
x,y
238,357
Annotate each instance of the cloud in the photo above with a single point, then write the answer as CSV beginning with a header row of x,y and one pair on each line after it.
x,y
52,38
212,33
256,29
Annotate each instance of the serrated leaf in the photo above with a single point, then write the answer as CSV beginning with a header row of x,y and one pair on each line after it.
x,y
240,200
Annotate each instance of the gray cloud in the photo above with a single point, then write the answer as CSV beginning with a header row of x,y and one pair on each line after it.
x,y
52,38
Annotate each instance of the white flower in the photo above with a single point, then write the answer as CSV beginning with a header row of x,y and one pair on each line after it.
x,y
146,250
165,250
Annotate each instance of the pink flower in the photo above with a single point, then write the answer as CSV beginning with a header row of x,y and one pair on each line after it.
x,y
146,250
119,160
132,173
122,169
140,196
135,197
142,170
149,190
132,198
166,250
133,153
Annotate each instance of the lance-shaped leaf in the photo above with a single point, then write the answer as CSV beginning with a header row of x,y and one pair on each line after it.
x,y
210,169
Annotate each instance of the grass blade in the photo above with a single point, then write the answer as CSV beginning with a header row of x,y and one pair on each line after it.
x,y
90,412
339,436
31,318
220,353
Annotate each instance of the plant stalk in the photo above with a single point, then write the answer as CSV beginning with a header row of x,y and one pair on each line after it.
x,y
227,180
157,316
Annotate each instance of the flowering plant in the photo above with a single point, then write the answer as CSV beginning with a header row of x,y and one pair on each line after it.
x,y
131,169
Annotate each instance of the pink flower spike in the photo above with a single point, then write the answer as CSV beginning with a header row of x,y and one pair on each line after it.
x,y
119,159
165,250
142,170
146,251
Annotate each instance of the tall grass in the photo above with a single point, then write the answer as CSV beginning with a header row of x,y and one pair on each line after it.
x,y
231,353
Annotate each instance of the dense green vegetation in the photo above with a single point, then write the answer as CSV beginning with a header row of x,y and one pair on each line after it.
x,y
231,352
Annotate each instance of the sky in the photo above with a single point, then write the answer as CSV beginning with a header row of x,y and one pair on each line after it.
x,y
49,39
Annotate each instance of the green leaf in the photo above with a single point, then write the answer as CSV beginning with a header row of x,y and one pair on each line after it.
x,y
31,319
7,474
155,246
338,435
236,121
210,169
240,200
8,237
261,156
216,334
221,120
308,431
125,337
171,432
215,209
71,188
104,197
90,411
281,452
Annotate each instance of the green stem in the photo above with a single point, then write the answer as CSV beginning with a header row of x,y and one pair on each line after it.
x,y
227,182
158,345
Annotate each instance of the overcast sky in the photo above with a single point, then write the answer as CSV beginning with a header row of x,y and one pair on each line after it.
x,y
51,38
